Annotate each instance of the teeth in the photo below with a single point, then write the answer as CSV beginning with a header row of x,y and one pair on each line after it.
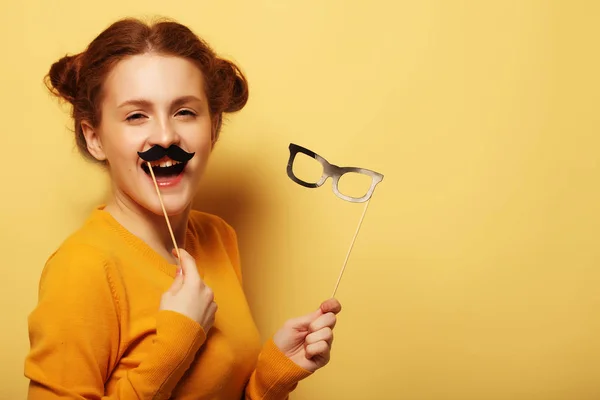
x,y
164,164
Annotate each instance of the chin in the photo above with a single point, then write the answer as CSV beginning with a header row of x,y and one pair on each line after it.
x,y
175,186
174,204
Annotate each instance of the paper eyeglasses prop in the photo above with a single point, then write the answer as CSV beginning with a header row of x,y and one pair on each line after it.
x,y
331,171
334,172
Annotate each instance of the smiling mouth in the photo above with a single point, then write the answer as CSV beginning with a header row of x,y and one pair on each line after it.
x,y
165,168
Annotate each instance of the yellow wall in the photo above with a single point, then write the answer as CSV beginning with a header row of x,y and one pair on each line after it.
x,y
476,272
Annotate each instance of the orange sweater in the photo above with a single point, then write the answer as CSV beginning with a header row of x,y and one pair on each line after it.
x,y
97,331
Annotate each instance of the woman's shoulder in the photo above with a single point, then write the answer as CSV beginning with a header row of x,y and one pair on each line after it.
x,y
75,257
94,241
83,256
90,240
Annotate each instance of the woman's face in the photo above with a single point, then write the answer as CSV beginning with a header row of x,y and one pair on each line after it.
x,y
153,100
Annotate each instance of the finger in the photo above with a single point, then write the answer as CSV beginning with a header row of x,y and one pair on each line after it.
x,y
325,320
177,283
212,311
325,334
331,305
213,307
317,349
304,321
188,265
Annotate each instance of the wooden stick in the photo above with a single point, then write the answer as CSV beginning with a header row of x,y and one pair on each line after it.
x,y
165,213
350,249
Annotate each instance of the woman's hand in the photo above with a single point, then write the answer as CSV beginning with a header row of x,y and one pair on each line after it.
x,y
307,340
189,295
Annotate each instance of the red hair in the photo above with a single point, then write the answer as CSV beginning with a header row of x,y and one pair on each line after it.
x,y
78,78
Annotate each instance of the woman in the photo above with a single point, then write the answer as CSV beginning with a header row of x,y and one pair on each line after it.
x,y
117,318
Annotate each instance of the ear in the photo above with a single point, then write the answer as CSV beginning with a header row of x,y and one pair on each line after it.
x,y
216,126
92,139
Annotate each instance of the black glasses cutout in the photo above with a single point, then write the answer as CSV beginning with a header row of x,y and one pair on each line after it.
x,y
332,171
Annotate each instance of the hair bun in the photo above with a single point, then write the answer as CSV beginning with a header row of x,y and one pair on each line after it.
x,y
230,87
239,91
62,77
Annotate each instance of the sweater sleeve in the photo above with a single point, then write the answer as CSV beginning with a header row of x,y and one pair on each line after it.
x,y
275,375
75,337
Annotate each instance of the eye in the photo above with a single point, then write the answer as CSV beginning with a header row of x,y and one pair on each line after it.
x,y
135,117
186,113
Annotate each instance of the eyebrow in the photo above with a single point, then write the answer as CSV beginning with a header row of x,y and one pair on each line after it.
x,y
147,103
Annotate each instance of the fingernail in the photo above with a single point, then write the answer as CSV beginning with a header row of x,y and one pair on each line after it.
x,y
179,271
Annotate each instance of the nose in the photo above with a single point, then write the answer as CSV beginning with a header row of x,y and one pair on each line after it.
x,y
164,135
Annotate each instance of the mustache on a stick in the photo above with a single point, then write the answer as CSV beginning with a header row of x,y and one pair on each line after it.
x,y
157,152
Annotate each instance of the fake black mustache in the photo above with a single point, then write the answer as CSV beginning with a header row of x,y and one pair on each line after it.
x,y
157,152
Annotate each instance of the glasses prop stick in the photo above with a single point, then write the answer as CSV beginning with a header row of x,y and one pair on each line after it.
x,y
335,173
181,157
350,249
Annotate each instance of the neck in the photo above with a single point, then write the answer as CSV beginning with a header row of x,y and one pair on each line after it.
x,y
149,227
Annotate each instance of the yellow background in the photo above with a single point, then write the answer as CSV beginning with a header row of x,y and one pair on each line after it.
x,y
476,272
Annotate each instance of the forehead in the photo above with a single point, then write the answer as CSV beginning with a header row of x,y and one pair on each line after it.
x,y
154,77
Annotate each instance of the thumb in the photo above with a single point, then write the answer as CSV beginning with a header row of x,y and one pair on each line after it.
x,y
177,282
188,266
